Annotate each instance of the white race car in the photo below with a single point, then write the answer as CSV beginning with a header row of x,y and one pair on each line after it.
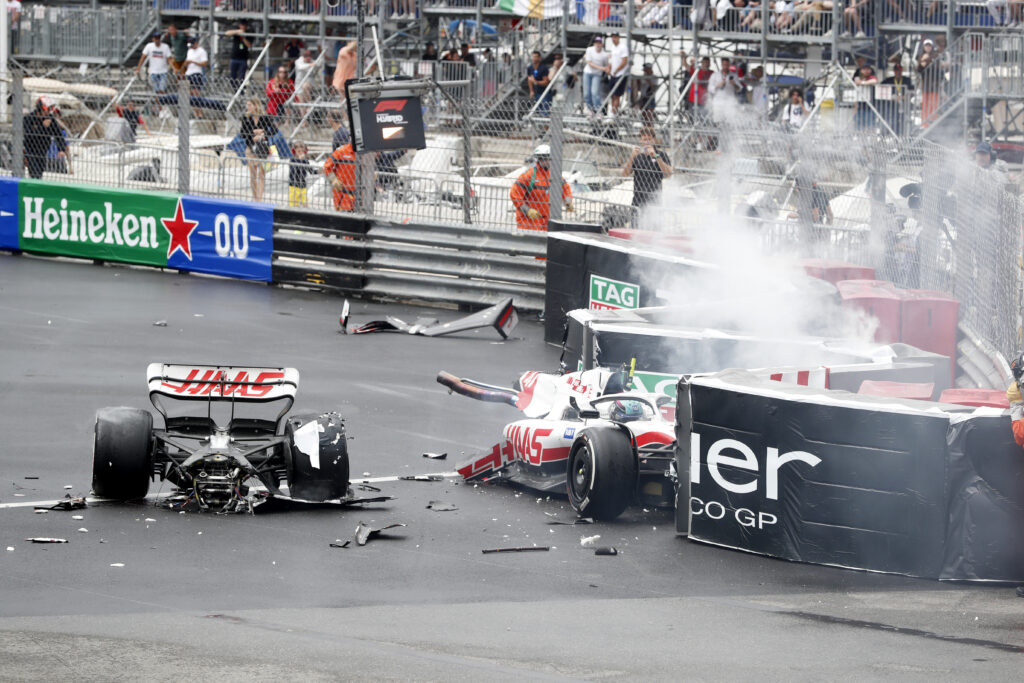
x,y
586,431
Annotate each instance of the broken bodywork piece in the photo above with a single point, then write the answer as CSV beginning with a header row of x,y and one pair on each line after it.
x,y
502,317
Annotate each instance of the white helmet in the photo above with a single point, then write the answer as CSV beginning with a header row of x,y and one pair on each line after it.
x,y
542,151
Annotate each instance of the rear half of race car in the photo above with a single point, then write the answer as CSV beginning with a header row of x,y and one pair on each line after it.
x,y
222,460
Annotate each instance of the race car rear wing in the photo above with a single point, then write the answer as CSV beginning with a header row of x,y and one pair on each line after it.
x,y
221,382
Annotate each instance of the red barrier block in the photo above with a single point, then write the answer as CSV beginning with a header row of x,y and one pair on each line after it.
x,y
678,243
982,398
919,391
877,298
928,321
835,271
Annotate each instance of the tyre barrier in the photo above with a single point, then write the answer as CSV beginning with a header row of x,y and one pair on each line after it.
x,y
471,266
828,477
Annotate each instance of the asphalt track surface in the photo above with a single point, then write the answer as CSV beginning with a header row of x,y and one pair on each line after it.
x,y
264,597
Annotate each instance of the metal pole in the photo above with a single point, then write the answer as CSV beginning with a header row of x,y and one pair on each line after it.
x,y
565,32
555,184
364,167
477,29
467,141
17,126
630,17
5,48
183,136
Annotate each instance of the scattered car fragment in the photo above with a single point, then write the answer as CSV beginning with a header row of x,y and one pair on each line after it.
x,y
221,462
365,533
520,549
41,539
502,317
588,432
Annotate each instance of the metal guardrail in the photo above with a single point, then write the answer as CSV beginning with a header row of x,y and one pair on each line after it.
x,y
469,266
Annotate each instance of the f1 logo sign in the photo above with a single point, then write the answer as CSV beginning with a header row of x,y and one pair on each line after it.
x,y
389,105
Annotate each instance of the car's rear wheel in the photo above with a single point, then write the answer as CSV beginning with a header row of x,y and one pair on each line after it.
x,y
122,455
317,457
602,471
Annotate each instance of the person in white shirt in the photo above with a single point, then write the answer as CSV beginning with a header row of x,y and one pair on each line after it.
x,y
13,11
196,61
796,111
303,76
596,61
724,81
159,55
758,91
619,62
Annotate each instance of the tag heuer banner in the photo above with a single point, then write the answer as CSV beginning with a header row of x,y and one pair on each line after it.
x,y
196,234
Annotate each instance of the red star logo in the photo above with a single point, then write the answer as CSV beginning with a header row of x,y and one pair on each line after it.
x,y
180,229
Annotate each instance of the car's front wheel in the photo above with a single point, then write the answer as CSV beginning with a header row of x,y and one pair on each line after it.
x,y
122,455
602,472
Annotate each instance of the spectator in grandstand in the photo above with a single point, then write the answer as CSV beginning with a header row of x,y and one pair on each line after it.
x,y
720,14
279,89
851,18
784,11
292,51
467,56
596,62
304,76
645,92
758,90
404,10
196,61
386,166
488,55
240,46
931,79
340,171
299,169
866,80
178,43
698,82
345,68
751,16
451,56
13,12
896,109
257,133
649,166
724,81
158,54
538,76
995,169
133,118
41,130
429,53
619,75
809,16
530,193
796,111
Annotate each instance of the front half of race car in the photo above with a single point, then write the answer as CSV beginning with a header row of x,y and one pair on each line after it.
x,y
217,459
604,450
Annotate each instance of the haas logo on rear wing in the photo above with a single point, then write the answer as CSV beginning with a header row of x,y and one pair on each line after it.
x,y
213,382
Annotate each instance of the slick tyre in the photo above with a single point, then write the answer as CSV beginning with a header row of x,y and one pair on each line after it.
x,y
602,473
122,453
317,457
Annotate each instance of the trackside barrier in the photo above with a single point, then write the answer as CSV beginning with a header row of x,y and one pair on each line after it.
x,y
466,265
195,234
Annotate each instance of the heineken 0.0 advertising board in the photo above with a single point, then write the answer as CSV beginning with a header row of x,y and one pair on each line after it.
x,y
188,233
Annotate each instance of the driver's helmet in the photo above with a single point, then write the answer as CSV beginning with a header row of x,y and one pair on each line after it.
x,y
626,411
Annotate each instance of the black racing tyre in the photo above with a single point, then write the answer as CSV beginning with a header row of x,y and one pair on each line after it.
x,y
122,453
321,475
602,472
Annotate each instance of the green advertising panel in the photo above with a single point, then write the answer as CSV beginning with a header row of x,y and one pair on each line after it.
x,y
94,223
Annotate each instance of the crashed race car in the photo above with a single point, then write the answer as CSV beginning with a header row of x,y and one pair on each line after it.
x,y
586,433
215,458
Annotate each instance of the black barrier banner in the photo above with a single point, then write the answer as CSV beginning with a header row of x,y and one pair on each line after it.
x,y
773,471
